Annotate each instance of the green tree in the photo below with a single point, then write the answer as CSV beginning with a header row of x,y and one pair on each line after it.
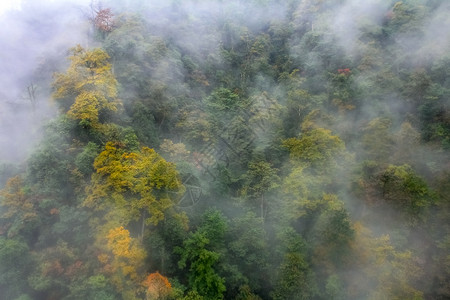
x,y
377,140
95,287
248,255
407,191
15,265
200,257
295,277
260,179
84,161
344,93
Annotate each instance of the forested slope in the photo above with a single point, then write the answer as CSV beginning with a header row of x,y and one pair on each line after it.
x,y
256,149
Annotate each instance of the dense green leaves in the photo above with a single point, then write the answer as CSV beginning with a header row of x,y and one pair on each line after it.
x,y
15,263
200,259
265,150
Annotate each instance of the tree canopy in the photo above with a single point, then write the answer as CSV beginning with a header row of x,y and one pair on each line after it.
x,y
256,150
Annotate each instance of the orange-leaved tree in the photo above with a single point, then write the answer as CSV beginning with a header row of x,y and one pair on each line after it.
x,y
158,286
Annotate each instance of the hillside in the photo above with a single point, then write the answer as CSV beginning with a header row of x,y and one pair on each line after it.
x,y
208,149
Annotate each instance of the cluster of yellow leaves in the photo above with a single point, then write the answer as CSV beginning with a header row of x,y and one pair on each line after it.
x,y
124,261
88,87
13,198
385,272
315,147
16,205
143,183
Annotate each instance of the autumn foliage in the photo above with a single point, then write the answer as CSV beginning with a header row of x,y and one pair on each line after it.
x,y
104,20
210,154
344,71
158,287
88,89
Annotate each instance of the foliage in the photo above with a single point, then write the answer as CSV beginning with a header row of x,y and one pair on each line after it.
x,y
15,263
158,287
123,262
257,149
88,89
200,259
314,148
104,20
295,276
143,183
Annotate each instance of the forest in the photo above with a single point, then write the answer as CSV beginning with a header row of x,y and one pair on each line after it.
x,y
241,149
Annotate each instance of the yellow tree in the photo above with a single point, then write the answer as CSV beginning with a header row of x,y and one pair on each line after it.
x,y
142,185
88,89
17,209
316,147
384,272
123,260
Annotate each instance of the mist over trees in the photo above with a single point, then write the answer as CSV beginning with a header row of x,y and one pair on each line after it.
x,y
256,149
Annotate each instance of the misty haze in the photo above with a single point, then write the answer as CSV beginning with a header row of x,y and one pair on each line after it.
x,y
209,149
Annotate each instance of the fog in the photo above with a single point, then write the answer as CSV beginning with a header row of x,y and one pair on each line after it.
x,y
35,38
358,72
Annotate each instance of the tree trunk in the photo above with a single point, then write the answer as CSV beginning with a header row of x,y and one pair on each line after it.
x,y
142,226
262,208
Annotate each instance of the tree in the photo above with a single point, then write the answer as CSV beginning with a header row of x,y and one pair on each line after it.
x,y
200,257
377,139
15,265
202,276
406,191
407,140
301,191
331,236
57,266
96,287
224,100
123,261
316,148
17,209
104,20
158,287
142,185
260,179
248,257
343,93
245,293
406,18
295,278
383,272
88,89
84,161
